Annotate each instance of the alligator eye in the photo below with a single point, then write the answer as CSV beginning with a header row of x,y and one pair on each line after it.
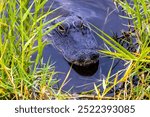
x,y
61,28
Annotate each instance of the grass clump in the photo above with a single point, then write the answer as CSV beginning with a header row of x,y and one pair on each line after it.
x,y
21,24
136,79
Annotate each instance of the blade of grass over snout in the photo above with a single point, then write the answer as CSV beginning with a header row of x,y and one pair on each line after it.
x,y
52,27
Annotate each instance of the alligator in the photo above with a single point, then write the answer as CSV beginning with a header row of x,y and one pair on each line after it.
x,y
74,39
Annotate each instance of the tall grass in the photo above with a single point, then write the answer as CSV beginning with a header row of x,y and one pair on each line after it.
x,y
20,28
138,69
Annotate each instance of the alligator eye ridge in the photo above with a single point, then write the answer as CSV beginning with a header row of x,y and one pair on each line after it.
x,y
79,24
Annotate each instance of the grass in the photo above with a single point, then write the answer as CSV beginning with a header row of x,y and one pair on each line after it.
x,y
137,11
21,28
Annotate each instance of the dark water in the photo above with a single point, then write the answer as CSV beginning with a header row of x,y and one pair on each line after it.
x,y
103,14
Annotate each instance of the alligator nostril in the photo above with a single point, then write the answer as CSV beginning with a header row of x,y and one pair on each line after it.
x,y
94,56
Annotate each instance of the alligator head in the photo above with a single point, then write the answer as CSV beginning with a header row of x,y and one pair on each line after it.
x,y
74,39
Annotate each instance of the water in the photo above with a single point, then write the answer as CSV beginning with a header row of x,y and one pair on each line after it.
x,y
103,14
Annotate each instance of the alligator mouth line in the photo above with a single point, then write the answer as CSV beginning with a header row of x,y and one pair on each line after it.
x,y
85,63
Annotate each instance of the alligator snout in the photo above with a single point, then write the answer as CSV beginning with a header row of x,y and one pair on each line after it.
x,y
94,56
85,58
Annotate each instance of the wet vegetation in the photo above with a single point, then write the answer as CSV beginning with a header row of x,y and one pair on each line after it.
x,y
21,28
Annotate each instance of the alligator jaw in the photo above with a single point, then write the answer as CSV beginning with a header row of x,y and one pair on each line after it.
x,y
85,63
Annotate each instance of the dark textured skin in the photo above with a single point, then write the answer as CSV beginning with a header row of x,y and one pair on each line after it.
x,y
74,39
